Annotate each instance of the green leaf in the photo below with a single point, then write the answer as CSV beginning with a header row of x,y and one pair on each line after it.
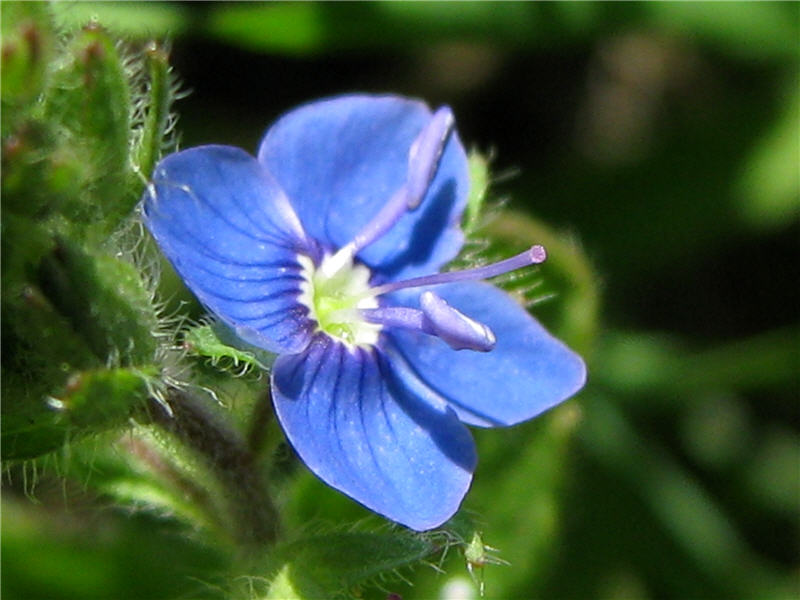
x,y
325,566
750,29
129,19
668,371
102,554
770,183
535,453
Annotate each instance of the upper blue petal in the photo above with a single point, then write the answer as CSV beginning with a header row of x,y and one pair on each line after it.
x,y
363,432
527,372
229,231
340,160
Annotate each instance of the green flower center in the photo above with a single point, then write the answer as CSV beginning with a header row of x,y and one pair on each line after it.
x,y
335,298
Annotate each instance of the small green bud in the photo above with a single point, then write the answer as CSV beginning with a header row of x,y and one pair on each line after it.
x,y
40,349
159,94
38,177
104,398
27,45
88,101
105,300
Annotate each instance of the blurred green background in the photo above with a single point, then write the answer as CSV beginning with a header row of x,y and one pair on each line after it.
x,y
659,143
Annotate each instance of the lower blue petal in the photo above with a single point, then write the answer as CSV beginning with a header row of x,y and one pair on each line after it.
x,y
359,429
230,233
527,372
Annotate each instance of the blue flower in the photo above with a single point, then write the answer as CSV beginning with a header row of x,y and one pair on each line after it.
x,y
326,249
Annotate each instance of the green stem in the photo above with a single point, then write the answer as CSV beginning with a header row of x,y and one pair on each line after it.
x,y
259,422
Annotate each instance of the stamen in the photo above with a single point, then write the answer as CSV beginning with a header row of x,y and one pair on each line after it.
x,y
454,327
423,162
533,256
425,154
395,316
437,318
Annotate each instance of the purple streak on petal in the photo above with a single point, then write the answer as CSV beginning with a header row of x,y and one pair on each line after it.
x,y
340,161
533,255
363,432
231,235
528,371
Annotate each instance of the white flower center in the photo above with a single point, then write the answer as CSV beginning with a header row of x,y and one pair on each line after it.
x,y
334,299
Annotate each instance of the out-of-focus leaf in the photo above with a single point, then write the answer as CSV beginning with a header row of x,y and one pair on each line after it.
x,y
38,419
653,364
566,279
771,473
522,526
308,28
52,554
106,397
290,586
140,470
752,30
770,183
682,508
135,19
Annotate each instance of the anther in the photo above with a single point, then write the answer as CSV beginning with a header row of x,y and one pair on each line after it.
x,y
454,327
436,318
423,162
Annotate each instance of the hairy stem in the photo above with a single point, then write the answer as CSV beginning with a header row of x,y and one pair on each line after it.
x,y
254,515
259,422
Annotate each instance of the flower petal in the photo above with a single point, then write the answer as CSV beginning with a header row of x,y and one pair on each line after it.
x,y
527,372
364,433
229,231
340,160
